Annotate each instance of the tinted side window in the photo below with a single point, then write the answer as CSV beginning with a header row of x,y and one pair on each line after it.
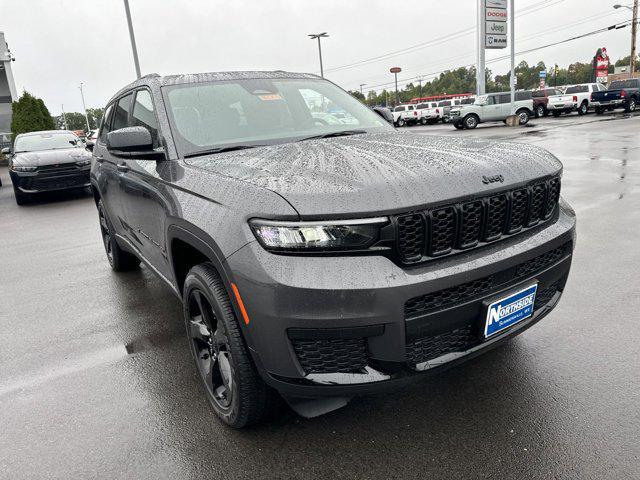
x,y
143,115
106,122
121,115
504,98
520,96
537,94
399,109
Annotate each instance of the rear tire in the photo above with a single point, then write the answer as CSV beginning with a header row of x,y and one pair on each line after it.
x,y
599,110
119,259
232,384
21,198
631,106
557,113
401,122
583,109
540,111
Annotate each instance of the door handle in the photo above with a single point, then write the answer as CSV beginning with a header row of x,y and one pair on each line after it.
x,y
98,158
122,167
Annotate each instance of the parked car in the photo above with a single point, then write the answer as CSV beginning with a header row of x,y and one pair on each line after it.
x,y
621,94
576,97
91,137
541,100
47,161
405,115
493,107
319,261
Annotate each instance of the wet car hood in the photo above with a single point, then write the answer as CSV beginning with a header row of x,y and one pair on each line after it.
x,y
50,157
381,173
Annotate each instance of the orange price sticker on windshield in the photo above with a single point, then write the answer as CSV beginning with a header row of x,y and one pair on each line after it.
x,y
271,97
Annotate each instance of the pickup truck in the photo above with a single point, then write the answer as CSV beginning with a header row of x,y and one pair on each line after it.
x,y
428,113
541,100
577,97
621,94
405,115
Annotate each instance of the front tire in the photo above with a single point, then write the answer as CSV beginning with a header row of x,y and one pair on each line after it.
x,y
401,122
459,126
523,117
119,259
540,111
471,121
232,384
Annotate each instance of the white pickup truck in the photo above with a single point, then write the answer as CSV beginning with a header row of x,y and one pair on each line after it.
x,y
428,113
405,115
577,97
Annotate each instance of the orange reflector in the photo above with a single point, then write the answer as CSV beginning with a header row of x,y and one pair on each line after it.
x,y
240,304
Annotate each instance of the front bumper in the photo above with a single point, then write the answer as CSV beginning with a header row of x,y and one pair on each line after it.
x,y
309,315
47,179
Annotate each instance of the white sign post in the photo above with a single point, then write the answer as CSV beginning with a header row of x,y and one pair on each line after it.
x,y
493,17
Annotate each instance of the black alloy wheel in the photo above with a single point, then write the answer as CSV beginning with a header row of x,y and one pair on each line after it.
x,y
210,347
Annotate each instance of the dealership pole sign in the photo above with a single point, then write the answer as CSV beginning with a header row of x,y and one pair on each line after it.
x,y
601,65
496,17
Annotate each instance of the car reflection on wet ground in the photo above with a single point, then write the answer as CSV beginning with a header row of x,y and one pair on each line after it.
x,y
96,380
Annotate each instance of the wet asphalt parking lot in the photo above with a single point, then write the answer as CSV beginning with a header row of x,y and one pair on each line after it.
x,y
96,380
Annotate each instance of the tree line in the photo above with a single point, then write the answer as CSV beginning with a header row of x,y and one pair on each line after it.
x,y
463,80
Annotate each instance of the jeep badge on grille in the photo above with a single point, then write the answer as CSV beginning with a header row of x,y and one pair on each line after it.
x,y
496,178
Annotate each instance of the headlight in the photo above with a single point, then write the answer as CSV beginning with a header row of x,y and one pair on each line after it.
x,y
84,162
318,236
18,168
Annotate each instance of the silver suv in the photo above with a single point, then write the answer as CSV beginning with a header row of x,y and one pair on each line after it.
x,y
493,107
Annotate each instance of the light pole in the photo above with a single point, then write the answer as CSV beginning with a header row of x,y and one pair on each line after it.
x,y
634,33
64,119
86,117
318,36
396,71
133,38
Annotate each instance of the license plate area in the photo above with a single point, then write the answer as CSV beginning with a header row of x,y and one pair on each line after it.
x,y
509,309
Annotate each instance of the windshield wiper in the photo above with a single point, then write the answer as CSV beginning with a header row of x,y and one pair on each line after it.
x,y
343,133
212,151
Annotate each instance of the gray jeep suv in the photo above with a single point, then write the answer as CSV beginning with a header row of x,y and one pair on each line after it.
x,y
318,252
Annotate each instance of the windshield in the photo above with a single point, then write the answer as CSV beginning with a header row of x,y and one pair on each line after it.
x,y
46,141
253,112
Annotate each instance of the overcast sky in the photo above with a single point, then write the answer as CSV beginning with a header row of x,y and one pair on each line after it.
x,y
60,43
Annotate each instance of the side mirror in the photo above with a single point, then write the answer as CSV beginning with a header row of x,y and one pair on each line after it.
x,y
89,146
129,139
384,113
6,151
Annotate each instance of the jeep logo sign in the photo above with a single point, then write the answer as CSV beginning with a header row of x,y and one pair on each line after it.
x,y
495,179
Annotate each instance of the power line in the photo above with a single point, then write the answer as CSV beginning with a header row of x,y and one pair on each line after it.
x,y
617,26
439,40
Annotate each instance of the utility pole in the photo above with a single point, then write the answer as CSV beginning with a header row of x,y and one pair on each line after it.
x,y
512,32
420,83
362,85
634,33
318,36
64,119
86,117
133,38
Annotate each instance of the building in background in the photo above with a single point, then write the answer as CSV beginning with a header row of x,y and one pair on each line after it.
x,y
8,92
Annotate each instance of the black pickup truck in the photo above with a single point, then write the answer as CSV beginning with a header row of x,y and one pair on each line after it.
x,y
621,94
